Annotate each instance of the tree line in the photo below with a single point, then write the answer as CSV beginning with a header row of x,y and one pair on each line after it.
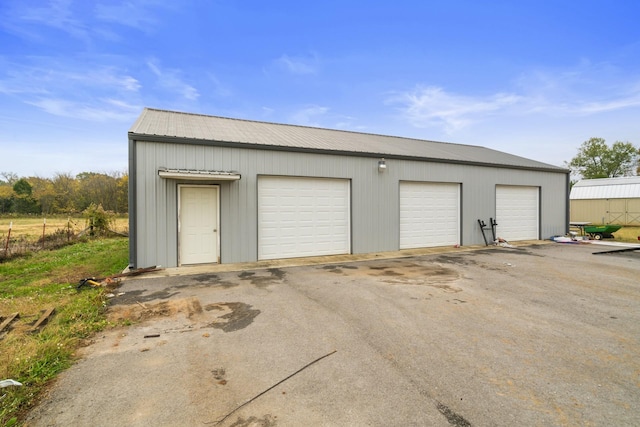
x,y
64,193
68,194
596,159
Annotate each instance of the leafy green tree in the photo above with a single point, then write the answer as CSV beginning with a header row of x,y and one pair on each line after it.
x,y
22,187
22,201
123,194
44,193
98,188
64,187
6,198
595,159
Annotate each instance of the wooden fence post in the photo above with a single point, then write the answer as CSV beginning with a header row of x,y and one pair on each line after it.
x,y
6,246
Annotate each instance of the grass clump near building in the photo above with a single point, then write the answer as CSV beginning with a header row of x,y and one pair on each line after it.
x,y
35,283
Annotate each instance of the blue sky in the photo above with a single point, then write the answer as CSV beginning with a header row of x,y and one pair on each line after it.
x,y
531,78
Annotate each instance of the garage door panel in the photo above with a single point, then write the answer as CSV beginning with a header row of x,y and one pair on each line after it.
x,y
429,214
517,212
302,217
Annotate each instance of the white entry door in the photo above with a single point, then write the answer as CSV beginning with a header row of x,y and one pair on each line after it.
x,y
198,224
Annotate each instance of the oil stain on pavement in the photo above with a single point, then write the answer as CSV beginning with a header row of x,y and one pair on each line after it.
x,y
239,317
262,279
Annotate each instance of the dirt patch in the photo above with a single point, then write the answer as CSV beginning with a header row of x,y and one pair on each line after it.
x,y
141,311
227,316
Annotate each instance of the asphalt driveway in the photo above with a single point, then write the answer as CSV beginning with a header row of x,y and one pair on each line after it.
x,y
539,335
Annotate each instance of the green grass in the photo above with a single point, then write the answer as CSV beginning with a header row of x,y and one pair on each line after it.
x,y
34,283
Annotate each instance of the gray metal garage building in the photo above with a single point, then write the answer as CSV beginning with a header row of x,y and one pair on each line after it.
x,y
207,189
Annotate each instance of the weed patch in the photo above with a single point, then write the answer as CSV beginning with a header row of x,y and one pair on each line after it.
x,y
42,280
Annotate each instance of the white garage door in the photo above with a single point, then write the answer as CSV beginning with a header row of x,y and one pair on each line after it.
x,y
517,212
300,217
429,214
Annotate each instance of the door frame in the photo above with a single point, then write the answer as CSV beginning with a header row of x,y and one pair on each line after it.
x,y
215,187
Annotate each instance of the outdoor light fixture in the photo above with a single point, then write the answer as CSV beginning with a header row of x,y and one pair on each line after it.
x,y
382,165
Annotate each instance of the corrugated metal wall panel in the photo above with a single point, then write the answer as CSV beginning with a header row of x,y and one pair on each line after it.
x,y
374,195
606,211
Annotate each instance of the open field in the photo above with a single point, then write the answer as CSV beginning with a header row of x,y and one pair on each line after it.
x,y
31,226
39,281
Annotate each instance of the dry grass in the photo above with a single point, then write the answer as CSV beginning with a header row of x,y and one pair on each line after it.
x,y
628,234
32,226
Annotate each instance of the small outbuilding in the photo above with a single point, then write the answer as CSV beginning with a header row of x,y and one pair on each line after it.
x,y
606,201
206,189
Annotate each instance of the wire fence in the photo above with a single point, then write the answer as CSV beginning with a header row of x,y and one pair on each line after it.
x,y
15,245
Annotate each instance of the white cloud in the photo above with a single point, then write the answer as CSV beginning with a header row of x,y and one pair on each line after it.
x,y
308,116
56,14
299,65
582,91
171,80
47,76
79,89
81,20
433,106
101,110
219,88
135,14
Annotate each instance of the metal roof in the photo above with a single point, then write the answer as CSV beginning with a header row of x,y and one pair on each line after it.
x,y
163,125
627,187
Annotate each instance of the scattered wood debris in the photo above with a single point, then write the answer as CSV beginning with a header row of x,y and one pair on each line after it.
x,y
46,315
6,322
113,281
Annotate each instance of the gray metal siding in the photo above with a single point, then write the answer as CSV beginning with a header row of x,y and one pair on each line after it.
x,y
374,195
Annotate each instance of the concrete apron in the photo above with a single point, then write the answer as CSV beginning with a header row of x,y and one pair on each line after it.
x,y
187,270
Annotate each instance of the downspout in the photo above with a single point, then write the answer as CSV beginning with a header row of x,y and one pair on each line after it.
x,y
133,210
568,204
